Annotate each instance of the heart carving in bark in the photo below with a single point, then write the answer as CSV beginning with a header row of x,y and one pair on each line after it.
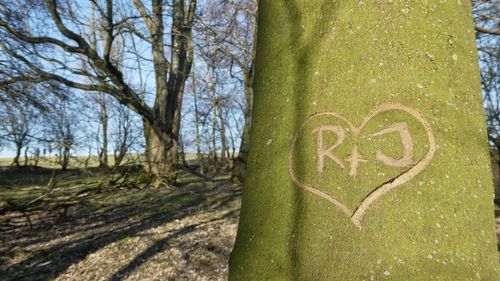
x,y
328,134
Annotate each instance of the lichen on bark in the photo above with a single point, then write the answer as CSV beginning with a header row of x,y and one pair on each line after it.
x,y
350,57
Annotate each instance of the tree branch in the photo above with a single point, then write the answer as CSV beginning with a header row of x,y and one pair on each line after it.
x,y
488,31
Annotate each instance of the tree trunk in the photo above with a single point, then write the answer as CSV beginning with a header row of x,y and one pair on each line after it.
x,y
87,160
15,161
214,158
121,151
182,152
239,165
26,158
369,157
197,124
160,155
64,153
36,157
162,147
103,119
222,132
231,154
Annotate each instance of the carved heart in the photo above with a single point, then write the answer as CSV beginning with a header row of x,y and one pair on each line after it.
x,y
357,215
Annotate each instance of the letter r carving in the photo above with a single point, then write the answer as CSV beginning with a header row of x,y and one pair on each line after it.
x,y
322,151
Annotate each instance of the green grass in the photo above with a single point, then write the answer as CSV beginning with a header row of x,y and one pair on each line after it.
x,y
76,162
79,162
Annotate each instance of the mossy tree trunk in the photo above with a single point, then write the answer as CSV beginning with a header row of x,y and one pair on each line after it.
x,y
368,154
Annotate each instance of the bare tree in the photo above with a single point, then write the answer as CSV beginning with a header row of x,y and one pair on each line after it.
x,y
487,25
197,124
124,134
103,127
230,28
19,119
60,52
16,127
61,124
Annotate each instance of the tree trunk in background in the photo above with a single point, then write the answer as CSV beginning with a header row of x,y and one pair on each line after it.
x,y
103,119
64,154
369,157
239,165
121,150
87,160
224,153
26,158
214,158
100,97
15,161
247,65
36,158
162,147
160,154
199,155
181,151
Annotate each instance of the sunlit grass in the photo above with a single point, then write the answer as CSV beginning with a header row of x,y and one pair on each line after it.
x,y
79,162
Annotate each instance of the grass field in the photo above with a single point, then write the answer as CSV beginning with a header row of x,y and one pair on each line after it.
x,y
75,161
80,162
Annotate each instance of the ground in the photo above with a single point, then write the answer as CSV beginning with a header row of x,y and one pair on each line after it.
x,y
84,230
95,225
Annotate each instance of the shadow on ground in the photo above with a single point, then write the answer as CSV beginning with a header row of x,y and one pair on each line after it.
x,y
66,234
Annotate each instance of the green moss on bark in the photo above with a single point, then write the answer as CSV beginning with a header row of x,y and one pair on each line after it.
x,y
349,57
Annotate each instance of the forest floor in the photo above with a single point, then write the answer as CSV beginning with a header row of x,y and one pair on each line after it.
x,y
82,228
93,225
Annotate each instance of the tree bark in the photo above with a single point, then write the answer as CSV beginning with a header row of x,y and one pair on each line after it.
x,y
368,154
160,154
